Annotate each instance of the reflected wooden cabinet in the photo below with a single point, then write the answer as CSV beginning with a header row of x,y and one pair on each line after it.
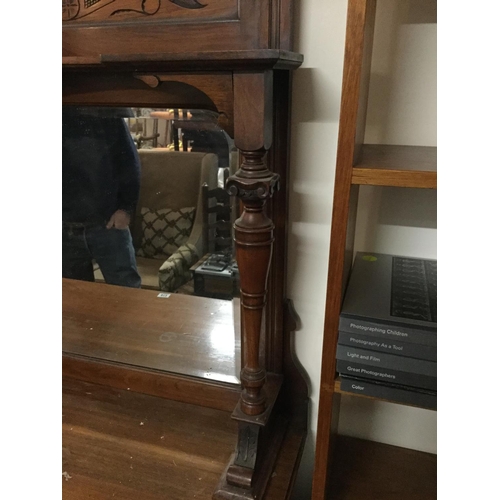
x,y
231,58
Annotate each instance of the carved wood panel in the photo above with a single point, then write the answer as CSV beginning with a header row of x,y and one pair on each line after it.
x,y
99,11
123,27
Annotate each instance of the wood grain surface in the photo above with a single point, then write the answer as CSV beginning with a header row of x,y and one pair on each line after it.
x,y
218,25
400,166
179,451
190,335
365,470
124,445
167,385
221,60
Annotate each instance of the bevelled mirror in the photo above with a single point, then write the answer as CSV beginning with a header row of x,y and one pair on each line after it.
x,y
148,259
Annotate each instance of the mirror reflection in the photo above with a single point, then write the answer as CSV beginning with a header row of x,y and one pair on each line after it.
x,y
144,207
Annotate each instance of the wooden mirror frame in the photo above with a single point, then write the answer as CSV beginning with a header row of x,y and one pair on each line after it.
x,y
250,89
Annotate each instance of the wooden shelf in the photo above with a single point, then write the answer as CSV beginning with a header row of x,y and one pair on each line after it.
x,y
399,166
338,390
223,60
187,335
365,469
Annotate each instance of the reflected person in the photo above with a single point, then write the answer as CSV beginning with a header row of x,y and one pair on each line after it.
x,y
100,189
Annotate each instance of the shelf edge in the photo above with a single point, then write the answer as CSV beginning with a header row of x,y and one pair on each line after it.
x,y
395,178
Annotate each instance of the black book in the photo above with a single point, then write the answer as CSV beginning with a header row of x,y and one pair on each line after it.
x,y
386,375
387,368
391,361
388,346
398,394
393,298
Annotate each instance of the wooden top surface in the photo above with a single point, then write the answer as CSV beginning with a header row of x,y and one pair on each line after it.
x,y
183,334
124,445
129,446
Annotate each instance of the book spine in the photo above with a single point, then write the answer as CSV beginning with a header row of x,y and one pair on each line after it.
x,y
388,346
389,332
386,375
396,394
391,361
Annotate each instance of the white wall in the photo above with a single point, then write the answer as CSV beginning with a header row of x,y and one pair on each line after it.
x,y
402,110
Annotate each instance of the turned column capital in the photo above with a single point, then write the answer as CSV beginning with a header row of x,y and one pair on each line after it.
x,y
249,190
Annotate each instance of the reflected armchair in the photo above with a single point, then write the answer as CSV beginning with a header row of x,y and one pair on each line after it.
x,y
167,229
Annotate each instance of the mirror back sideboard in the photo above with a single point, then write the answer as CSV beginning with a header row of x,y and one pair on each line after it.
x,y
231,57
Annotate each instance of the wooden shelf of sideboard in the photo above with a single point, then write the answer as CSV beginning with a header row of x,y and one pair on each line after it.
x,y
338,390
366,469
398,166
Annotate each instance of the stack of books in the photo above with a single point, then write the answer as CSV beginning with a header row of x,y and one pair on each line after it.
x,y
387,344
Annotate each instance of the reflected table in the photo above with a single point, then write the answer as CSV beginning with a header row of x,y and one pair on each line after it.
x,y
216,275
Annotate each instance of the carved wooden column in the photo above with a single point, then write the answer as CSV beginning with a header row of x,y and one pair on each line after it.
x,y
259,435
253,183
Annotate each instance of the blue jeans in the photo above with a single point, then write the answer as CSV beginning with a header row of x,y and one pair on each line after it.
x,y
112,249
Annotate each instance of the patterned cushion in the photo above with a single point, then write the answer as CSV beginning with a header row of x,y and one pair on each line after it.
x,y
164,231
175,272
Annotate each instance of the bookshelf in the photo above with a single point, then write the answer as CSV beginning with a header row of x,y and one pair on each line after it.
x,y
345,467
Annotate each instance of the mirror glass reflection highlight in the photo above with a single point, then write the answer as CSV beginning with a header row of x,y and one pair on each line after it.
x,y
144,209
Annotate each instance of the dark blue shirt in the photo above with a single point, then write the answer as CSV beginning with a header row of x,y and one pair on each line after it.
x,y
100,166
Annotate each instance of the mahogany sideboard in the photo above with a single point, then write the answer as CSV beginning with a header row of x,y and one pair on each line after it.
x,y
232,57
